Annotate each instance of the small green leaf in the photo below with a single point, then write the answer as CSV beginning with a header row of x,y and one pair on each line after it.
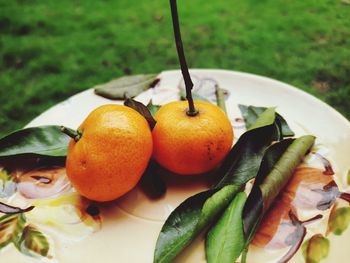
x,y
348,178
8,184
267,116
195,96
42,140
11,227
127,86
276,169
339,220
142,109
316,249
251,113
279,176
189,219
153,108
34,243
243,161
225,240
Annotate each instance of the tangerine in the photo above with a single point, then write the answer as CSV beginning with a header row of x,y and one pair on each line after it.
x,y
110,154
191,144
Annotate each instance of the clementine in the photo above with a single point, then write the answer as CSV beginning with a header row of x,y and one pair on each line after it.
x,y
191,144
110,154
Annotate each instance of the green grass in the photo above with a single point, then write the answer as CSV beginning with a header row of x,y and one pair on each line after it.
x,y
52,49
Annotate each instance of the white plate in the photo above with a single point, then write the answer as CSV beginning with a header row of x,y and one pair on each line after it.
x,y
130,228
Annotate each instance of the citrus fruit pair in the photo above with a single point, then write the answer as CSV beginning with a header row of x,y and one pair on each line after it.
x,y
114,144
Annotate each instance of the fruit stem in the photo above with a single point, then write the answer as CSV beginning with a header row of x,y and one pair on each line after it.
x,y
220,98
75,135
180,52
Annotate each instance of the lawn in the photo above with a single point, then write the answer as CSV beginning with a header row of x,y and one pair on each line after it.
x,y
52,49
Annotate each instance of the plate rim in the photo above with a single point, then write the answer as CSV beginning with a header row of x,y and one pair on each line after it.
x,y
281,84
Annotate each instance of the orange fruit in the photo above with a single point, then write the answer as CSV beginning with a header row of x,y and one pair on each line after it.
x,y
112,153
191,144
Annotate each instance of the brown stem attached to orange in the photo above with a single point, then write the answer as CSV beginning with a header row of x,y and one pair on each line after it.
x,y
75,135
180,51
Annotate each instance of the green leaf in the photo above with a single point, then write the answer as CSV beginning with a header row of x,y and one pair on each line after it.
x,y
200,210
348,178
189,219
142,109
33,242
339,220
127,86
153,108
8,184
281,173
251,113
42,140
267,116
243,161
316,249
225,240
11,227
272,154
276,169
195,96
151,182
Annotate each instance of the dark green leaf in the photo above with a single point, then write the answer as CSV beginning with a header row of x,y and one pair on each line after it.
x,y
276,169
225,240
142,109
153,108
251,113
189,219
339,220
127,86
283,126
195,96
243,161
8,184
11,227
43,140
200,210
151,182
33,242
316,249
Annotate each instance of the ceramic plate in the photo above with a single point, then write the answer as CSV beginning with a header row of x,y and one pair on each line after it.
x,y
130,226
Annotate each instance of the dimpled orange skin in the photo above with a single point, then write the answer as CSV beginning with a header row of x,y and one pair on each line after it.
x,y
112,154
191,144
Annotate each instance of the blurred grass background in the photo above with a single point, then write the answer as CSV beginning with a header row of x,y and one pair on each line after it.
x,y
52,49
